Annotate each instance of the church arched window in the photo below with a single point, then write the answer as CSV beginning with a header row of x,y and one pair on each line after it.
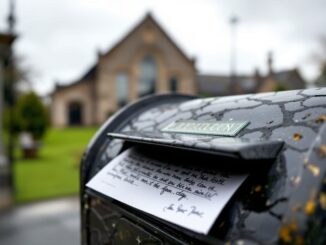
x,y
148,76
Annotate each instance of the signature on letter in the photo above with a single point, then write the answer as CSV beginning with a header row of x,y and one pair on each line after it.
x,y
171,208
194,211
180,209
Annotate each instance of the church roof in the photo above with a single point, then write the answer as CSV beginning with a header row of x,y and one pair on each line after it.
x,y
90,74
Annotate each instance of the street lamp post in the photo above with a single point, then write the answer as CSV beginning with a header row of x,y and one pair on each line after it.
x,y
7,80
6,76
11,81
233,75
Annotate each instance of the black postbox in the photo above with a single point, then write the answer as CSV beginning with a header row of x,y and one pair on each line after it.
x,y
282,146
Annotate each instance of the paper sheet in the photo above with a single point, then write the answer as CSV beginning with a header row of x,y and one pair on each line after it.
x,y
190,197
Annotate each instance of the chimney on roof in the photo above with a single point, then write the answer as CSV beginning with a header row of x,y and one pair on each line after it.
x,y
270,61
257,78
257,74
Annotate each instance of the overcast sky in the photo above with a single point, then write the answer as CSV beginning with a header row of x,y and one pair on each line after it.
x,y
59,38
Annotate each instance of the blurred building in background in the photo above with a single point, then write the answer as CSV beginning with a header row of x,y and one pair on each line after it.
x,y
144,62
220,85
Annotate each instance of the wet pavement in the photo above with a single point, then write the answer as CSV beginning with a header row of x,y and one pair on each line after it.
x,y
52,222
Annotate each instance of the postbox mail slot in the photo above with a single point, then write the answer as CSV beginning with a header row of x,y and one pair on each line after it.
x,y
239,148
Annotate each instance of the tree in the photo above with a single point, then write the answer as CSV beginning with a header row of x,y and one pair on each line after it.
x,y
17,79
31,116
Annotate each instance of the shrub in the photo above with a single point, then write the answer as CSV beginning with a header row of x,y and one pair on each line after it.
x,y
31,116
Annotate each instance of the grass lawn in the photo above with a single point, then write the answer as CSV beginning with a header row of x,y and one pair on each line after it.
x,y
56,171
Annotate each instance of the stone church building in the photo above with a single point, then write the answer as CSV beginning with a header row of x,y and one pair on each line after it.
x,y
145,61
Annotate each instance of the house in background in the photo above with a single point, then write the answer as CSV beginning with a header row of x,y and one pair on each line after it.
x,y
144,62
221,85
148,61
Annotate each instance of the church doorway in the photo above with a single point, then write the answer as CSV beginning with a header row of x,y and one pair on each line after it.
x,y
75,114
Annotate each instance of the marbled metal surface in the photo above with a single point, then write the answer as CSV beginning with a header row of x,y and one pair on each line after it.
x,y
285,203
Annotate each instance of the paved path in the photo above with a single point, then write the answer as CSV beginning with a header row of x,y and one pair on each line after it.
x,y
53,222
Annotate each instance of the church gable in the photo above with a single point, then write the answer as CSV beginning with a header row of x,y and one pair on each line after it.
x,y
144,62
147,37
